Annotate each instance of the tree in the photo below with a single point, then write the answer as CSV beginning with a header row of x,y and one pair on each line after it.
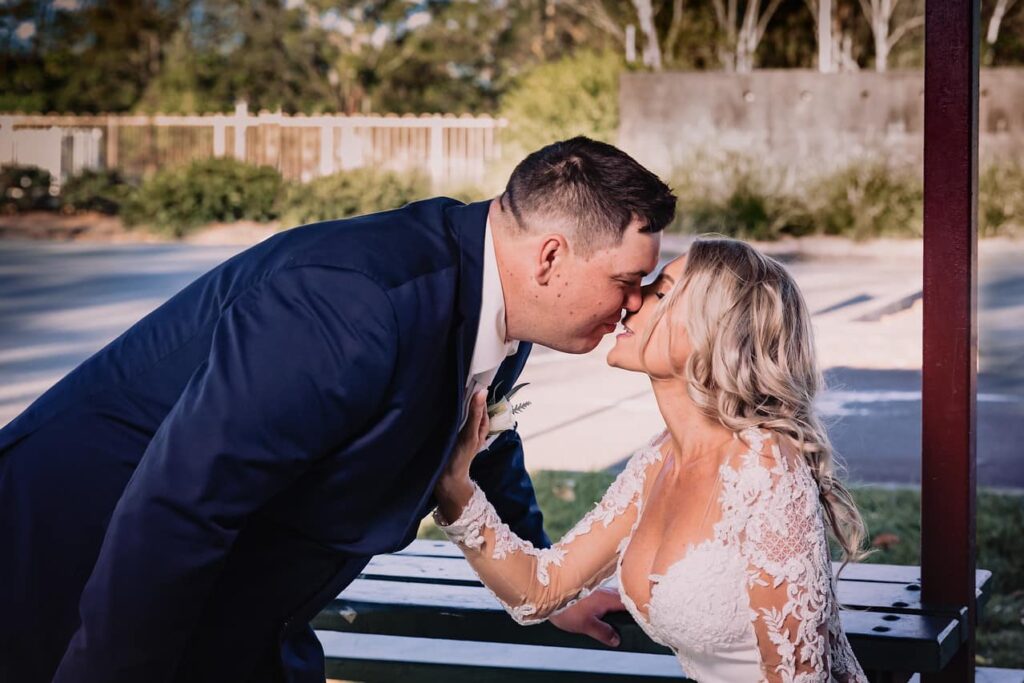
x,y
444,55
743,33
264,52
680,38
577,95
834,42
821,10
880,14
1004,32
24,33
86,56
996,20
113,51
652,49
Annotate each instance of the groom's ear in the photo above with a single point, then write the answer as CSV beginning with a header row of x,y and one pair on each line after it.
x,y
552,252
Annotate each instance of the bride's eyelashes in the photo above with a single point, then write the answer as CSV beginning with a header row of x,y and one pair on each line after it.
x,y
660,295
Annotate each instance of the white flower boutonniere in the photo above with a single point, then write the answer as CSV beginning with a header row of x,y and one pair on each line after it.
x,y
502,412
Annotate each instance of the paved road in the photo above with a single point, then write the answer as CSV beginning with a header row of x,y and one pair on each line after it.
x,y
59,303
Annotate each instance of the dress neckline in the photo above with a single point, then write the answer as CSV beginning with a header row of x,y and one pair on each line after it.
x,y
753,437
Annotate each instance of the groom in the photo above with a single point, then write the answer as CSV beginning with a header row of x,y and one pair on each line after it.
x,y
179,506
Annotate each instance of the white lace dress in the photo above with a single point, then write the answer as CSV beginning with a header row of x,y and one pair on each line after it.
x,y
753,601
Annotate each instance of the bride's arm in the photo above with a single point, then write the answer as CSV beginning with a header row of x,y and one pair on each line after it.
x,y
790,581
531,583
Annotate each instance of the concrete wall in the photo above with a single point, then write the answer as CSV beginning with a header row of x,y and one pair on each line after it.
x,y
801,119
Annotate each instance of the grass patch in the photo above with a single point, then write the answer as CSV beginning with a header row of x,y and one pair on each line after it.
x,y
894,526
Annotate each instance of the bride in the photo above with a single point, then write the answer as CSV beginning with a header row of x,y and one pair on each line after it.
x,y
716,529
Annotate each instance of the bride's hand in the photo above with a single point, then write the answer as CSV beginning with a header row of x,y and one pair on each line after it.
x,y
454,488
472,437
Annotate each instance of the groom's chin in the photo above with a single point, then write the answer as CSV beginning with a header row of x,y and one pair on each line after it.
x,y
577,346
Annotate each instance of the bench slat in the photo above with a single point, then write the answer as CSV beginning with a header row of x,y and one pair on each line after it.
x,y
919,642
392,658
856,571
860,593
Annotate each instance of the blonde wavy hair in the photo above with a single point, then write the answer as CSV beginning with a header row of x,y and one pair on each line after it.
x,y
753,363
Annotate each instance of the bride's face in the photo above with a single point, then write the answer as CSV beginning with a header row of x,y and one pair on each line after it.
x,y
657,359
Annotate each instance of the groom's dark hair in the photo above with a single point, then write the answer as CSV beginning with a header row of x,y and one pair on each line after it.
x,y
595,186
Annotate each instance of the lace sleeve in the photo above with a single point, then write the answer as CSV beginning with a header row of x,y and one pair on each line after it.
x,y
534,583
792,598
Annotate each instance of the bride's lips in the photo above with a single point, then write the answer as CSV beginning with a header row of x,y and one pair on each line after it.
x,y
626,332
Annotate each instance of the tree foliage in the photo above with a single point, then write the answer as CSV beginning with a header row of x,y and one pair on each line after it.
x,y
577,95
416,56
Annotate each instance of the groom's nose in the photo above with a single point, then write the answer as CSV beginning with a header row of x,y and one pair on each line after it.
x,y
634,299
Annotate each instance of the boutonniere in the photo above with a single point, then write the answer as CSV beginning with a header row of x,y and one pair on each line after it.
x,y
502,412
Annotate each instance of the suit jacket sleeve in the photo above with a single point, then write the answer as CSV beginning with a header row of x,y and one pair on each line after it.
x,y
501,470
299,364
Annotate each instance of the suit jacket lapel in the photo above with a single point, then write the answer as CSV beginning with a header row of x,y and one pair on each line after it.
x,y
467,223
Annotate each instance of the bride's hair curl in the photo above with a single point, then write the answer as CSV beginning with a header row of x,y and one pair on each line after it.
x,y
753,364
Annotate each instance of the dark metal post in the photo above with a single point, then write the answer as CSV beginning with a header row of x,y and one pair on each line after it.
x,y
950,317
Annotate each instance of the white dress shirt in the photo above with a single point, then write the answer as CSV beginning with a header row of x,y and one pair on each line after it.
x,y
491,348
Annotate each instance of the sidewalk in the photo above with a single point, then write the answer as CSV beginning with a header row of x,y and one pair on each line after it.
x,y
866,307
61,302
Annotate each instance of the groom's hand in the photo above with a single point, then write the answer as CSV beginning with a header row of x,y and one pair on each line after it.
x,y
585,616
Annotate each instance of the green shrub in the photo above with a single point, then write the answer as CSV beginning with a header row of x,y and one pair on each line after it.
x,y
25,188
178,200
578,95
868,199
741,197
102,190
736,197
1001,200
349,193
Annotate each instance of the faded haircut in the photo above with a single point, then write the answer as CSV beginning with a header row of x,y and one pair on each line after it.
x,y
595,188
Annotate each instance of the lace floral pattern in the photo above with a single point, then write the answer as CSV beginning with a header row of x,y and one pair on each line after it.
x,y
478,515
479,518
753,601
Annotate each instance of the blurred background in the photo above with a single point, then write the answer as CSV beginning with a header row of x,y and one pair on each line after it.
x,y
142,142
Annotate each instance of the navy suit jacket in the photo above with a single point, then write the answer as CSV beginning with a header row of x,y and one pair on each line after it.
x,y
182,503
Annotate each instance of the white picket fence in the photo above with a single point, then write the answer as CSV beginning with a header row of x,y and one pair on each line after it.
x,y
450,150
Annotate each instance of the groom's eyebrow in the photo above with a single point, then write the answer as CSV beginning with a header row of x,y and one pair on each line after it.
x,y
635,273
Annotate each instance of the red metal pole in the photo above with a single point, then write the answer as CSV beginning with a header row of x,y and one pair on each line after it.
x,y
949,372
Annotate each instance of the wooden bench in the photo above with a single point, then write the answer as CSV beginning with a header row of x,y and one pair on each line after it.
x,y
422,615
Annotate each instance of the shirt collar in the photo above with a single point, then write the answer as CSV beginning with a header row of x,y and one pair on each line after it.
x,y
491,348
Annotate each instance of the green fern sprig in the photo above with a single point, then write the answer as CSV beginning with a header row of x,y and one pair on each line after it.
x,y
520,407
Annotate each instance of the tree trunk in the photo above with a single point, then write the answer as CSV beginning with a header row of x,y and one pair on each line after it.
x,y
882,55
880,29
755,22
844,44
674,29
652,50
746,43
725,16
1002,6
825,64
